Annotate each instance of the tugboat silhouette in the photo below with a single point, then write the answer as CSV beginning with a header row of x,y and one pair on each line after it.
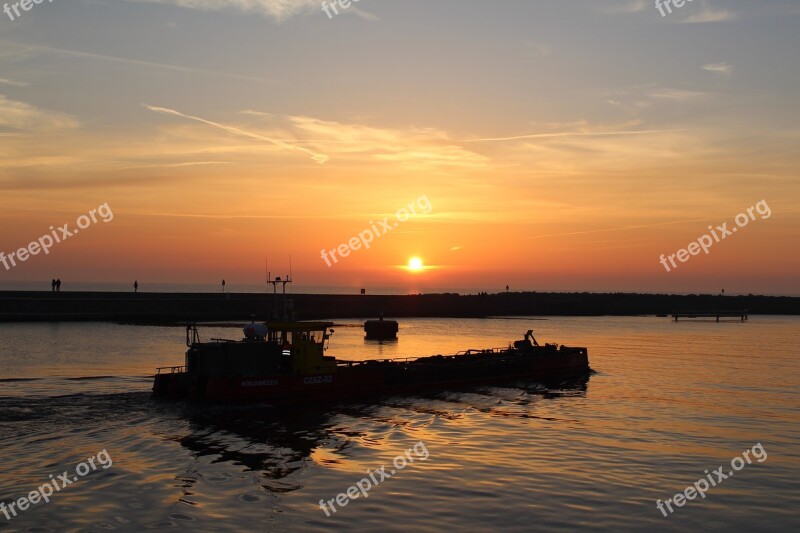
x,y
283,362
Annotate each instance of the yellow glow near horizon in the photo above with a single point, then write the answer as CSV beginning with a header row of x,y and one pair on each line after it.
x,y
415,264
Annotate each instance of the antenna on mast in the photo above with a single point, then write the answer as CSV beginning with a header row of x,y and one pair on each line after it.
x,y
274,283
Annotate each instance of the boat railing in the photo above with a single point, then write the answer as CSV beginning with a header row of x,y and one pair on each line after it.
x,y
170,369
472,351
340,362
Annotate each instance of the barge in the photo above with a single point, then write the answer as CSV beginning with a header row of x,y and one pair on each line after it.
x,y
284,363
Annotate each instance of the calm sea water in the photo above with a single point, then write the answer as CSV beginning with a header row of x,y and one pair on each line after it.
x,y
667,401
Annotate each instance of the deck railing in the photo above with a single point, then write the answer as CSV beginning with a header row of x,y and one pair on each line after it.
x,y
170,369
410,359
482,350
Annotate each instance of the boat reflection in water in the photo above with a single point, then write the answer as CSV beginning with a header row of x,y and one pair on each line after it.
x,y
276,443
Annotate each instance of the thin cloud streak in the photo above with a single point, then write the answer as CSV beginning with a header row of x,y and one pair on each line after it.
x,y
6,81
178,165
632,6
720,68
626,228
18,115
277,10
566,134
709,15
144,63
316,156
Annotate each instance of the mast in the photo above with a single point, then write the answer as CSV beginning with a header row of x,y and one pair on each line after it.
x,y
274,282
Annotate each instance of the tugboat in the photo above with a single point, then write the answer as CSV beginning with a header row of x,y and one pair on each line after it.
x,y
284,363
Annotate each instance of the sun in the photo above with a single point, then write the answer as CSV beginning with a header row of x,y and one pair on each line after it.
x,y
415,264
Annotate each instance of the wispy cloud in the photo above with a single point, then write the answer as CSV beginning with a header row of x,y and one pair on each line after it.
x,y
564,134
364,14
676,95
636,99
136,62
416,147
316,156
177,165
705,14
723,68
631,6
5,81
24,117
278,10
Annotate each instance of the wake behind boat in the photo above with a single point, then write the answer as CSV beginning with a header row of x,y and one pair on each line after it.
x,y
285,363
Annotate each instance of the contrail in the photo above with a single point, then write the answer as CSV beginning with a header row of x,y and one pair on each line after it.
x,y
139,62
316,156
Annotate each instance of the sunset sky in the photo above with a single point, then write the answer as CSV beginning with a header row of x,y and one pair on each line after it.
x,y
562,144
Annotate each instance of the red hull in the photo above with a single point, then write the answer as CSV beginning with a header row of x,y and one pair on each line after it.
x,y
365,380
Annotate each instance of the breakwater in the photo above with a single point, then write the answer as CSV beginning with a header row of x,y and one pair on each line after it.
x,y
161,308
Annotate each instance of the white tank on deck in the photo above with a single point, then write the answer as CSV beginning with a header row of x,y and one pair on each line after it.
x,y
255,331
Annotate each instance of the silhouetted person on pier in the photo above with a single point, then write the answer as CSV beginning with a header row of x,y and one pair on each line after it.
x,y
136,286
223,285
58,285
53,284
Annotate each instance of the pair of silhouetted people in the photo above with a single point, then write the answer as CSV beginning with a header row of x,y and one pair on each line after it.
x,y
56,284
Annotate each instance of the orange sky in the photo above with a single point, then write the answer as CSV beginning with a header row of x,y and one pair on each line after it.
x,y
553,159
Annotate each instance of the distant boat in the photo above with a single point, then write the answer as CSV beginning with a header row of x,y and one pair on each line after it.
x,y
380,330
284,363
